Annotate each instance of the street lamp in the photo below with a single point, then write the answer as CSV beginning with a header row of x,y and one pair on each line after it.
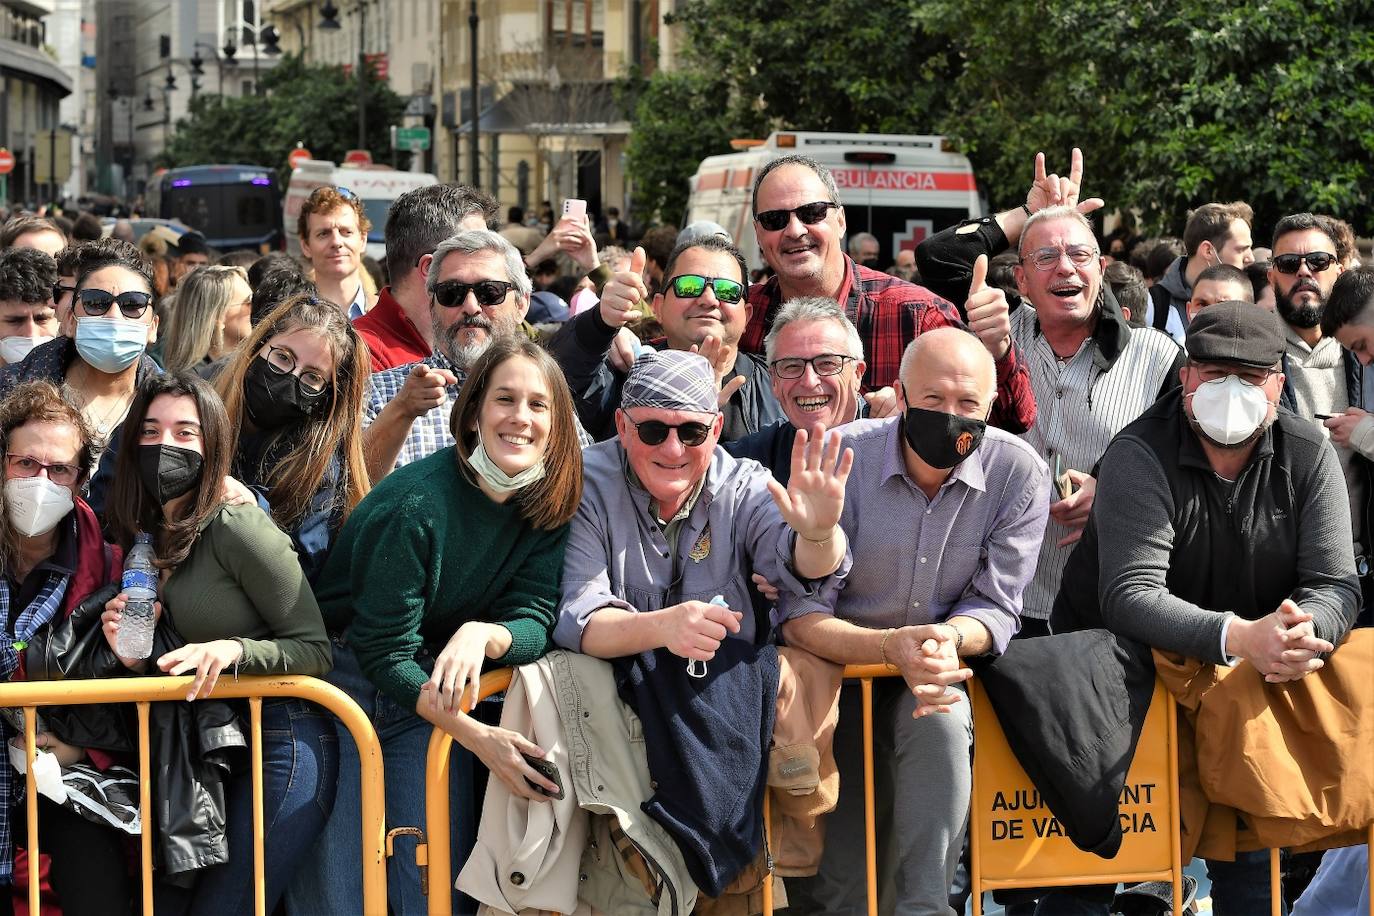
x,y
198,63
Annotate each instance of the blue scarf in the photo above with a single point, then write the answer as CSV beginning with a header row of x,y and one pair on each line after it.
x,y
38,614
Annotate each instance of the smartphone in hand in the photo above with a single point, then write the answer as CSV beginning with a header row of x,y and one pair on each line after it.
x,y
575,209
549,771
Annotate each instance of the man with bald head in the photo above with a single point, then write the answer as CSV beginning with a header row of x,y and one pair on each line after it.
x,y
944,516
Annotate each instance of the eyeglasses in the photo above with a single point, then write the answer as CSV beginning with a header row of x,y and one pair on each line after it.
x,y
810,214
655,432
1317,261
690,286
1210,373
59,291
1047,258
283,362
131,304
824,364
24,466
452,293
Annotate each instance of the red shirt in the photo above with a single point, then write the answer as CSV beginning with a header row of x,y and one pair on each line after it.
x,y
889,312
392,338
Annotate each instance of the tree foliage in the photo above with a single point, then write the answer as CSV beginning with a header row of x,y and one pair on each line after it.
x,y
315,105
1174,102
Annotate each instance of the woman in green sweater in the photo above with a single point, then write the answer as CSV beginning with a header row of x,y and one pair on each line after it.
x,y
233,590
450,562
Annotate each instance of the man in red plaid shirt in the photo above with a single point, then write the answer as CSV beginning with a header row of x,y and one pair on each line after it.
x,y
800,223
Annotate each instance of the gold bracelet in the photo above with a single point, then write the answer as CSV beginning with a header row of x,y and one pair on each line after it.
x,y
816,542
882,651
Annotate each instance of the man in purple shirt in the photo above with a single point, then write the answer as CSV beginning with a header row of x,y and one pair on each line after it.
x,y
944,517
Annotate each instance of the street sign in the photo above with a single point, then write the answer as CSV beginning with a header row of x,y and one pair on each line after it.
x,y
414,139
46,145
297,156
6,161
358,157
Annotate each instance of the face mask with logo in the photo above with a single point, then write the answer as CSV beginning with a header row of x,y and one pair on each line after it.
x,y
168,471
1229,410
35,504
497,479
110,344
274,399
941,440
14,349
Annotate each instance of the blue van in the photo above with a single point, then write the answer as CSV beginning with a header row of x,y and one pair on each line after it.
x,y
233,206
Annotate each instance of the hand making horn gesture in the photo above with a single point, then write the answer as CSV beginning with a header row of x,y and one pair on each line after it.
x,y
1055,191
988,313
814,498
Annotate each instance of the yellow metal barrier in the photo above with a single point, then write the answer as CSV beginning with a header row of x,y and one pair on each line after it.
x,y
31,695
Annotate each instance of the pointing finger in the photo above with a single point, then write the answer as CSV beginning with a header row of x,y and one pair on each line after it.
x,y
1039,167
1076,166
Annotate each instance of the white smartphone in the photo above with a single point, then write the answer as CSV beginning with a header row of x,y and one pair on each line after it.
x,y
574,209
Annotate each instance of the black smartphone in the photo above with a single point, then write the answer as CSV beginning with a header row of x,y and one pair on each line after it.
x,y
549,771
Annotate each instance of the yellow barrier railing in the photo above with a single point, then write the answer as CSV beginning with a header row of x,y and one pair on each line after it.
x,y
437,814
31,695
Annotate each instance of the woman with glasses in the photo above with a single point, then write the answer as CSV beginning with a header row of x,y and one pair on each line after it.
x,y
235,594
209,319
294,394
52,558
451,563
100,358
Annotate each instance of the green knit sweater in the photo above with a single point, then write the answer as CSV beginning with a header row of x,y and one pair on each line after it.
x,y
425,552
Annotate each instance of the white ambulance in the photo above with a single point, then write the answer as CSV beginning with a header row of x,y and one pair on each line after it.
x,y
376,185
900,187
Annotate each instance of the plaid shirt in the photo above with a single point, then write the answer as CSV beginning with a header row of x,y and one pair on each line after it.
x,y
429,433
889,312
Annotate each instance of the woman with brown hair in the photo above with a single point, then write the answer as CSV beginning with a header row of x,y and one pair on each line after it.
x,y
294,394
450,563
52,560
235,593
209,319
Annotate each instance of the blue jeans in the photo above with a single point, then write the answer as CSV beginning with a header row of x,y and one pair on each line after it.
x,y
329,881
300,770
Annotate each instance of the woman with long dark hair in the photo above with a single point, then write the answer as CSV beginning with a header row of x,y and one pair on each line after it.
x,y
232,589
293,393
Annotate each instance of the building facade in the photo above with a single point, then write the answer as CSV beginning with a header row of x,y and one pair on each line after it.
x,y
32,87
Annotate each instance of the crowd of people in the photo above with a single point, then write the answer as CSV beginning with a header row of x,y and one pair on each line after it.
x,y
679,498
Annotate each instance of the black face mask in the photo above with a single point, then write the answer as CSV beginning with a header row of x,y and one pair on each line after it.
x,y
274,400
168,471
941,440
871,263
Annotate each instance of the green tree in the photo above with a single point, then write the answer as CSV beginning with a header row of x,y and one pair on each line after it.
x,y
316,105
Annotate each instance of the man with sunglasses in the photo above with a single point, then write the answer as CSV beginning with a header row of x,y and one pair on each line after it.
x,y
1092,372
332,228
799,223
1324,382
28,278
701,306
398,329
100,357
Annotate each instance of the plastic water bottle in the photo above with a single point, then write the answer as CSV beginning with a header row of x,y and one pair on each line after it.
x,y
135,639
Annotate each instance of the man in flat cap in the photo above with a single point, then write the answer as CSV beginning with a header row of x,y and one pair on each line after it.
x,y
1221,531
671,527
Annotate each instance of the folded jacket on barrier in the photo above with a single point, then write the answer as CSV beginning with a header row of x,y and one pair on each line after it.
x,y
1074,737
597,850
1264,765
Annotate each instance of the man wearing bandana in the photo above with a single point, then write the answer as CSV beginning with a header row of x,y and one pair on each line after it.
x,y
945,517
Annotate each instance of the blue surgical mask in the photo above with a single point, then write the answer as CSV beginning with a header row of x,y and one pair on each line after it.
x,y
110,344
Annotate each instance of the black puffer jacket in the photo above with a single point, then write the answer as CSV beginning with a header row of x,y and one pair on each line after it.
x,y
194,747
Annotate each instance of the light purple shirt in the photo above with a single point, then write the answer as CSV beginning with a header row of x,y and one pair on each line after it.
x,y
969,551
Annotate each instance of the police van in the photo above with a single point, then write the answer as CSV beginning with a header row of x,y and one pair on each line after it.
x,y
900,187
377,186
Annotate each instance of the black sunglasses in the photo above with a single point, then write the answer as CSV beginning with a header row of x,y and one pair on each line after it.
x,y
810,214
655,432
132,304
691,286
60,290
1317,261
451,293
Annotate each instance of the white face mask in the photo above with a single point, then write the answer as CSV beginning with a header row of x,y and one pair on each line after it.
x,y
35,504
497,479
14,349
1229,410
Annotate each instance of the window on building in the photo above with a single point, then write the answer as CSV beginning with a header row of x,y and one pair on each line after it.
x,y
577,23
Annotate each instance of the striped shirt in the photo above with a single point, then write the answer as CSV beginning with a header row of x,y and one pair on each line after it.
x,y
1082,402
